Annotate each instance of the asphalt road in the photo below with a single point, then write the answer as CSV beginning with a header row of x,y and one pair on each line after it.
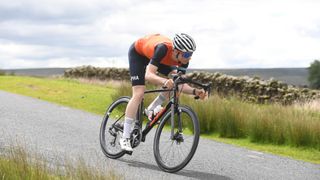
x,y
58,132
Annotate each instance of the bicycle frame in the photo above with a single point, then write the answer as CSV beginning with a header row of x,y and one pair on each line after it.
x,y
172,105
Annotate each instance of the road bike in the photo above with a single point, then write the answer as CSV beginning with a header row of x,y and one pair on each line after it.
x,y
177,134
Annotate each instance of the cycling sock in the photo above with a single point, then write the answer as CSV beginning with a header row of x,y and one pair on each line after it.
x,y
157,101
127,127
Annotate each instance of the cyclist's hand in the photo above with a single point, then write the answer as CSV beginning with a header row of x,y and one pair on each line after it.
x,y
168,84
201,93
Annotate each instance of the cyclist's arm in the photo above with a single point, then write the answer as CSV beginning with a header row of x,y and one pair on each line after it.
x,y
182,68
151,71
185,88
151,75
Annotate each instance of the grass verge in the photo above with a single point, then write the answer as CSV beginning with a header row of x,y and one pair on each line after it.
x,y
299,153
17,163
67,92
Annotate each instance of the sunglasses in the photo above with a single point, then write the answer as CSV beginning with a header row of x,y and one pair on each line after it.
x,y
187,54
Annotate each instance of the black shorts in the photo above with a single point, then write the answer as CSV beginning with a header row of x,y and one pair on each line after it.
x,y
137,66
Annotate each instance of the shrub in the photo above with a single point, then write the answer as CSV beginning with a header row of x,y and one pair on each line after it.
x,y
314,74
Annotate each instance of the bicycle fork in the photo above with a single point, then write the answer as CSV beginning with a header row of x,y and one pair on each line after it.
x,y
172,121
175,110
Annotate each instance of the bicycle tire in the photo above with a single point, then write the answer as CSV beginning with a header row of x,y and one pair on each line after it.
x,y
163,164
107,124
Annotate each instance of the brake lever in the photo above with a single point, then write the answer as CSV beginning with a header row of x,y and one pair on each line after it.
x,y
207,88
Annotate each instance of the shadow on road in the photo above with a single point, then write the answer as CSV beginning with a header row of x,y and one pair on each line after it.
x,y
186,173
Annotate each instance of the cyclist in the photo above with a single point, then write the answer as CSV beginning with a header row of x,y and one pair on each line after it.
x,y
148,56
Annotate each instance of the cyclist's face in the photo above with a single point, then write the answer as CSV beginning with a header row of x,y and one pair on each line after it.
x,y
182,57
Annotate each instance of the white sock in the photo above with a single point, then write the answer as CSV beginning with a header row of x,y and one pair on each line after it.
x,y
127,127
157,101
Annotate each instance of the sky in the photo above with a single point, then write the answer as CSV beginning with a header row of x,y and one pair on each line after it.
x,y
228,33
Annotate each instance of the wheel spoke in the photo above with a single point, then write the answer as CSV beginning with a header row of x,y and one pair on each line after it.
x,y
166,158
174,155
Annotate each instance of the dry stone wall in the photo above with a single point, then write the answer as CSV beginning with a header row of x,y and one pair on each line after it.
x,y
247,88
254,89
99,73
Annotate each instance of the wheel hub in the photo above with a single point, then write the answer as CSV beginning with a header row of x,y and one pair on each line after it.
x,y
178,137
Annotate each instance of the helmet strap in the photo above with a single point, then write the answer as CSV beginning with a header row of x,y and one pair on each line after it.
x,y
177,55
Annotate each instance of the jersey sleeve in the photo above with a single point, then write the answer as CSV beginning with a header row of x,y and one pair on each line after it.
x,y
182,68
159,53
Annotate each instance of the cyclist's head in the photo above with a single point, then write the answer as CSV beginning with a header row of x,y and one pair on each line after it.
x,y
184,43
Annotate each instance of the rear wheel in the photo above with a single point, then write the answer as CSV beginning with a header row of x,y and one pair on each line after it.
x,y
173,154
112,128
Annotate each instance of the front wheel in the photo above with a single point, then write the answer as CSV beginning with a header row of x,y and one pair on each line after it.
x,y
174,153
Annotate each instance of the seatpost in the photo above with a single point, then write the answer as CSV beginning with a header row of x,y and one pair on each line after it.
x,y
139,114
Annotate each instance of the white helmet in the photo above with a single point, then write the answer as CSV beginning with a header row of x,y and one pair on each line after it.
x,y
183,42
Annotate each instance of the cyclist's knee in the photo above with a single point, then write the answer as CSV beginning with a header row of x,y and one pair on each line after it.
x,y
137,96
138,92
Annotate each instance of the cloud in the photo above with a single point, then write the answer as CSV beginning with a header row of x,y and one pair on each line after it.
x,y
229,34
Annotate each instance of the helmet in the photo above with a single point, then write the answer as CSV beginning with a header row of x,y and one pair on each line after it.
x,y
183,42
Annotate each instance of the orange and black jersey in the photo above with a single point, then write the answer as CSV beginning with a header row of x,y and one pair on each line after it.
x,y
157,58
155,49
158,49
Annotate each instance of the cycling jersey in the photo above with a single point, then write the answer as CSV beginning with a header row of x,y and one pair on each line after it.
x,y
146,46
155,49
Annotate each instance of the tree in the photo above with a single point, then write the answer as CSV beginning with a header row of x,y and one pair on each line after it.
x,y
314,74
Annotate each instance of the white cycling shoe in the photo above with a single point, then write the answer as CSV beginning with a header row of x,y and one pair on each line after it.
x,y
125,144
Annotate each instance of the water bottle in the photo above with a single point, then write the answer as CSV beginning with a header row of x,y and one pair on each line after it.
x,y
157,110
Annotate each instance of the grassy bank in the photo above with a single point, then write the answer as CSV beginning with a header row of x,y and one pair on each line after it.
x,y
299,153
273,124
17,163
294,130
68,92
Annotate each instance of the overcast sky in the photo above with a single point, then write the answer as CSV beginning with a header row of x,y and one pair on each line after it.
x,y
228,33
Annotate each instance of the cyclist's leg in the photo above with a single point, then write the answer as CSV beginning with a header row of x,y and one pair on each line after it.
x,y
132,108
137,68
